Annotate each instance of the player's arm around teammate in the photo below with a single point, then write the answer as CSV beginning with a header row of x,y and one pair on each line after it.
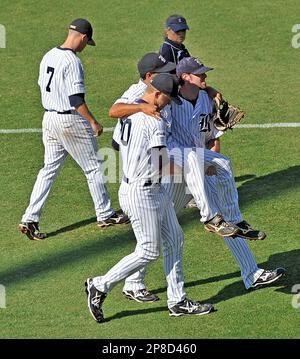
x,y
149,207
149,66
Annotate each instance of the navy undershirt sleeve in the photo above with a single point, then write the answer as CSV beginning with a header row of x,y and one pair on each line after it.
x,y
77,99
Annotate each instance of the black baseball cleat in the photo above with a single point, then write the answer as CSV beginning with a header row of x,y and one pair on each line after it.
x,y
246,231
95,300
190,307
141,296
114,219
267,277
219,226
31,229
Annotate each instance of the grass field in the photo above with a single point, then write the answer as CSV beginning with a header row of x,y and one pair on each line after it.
x,y
249,44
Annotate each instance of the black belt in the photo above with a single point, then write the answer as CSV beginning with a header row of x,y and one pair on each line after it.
x,y
146,184
69,112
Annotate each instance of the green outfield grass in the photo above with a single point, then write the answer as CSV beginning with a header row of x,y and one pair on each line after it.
x,y
249,44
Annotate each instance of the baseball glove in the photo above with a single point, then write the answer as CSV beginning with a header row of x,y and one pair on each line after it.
x,y
226,116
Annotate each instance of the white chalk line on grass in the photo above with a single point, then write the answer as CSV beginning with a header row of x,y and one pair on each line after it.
x,y
110,129
269,125
38,130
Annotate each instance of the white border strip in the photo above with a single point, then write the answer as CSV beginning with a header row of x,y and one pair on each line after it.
x,y
111,129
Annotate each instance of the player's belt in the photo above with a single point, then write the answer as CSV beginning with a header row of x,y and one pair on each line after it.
x,y
69,112
147,182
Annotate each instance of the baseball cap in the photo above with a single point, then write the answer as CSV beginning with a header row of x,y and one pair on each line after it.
x,y
168,85
153,62
84,27
191,65
177,23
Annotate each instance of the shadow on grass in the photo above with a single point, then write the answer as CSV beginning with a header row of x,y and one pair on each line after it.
x,y
71,227
244,178
130,313
289,260
100,246
261,187
254,189
271,185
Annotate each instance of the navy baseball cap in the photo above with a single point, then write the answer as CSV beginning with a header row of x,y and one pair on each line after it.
x,y
191,65
168,85
156,63
84,27
177,23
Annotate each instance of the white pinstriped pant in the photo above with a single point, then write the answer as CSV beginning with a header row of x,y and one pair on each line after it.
x,y
155,225
63,135
196,161
222,196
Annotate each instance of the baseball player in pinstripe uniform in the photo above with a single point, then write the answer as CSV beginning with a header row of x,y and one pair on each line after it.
x,y
196,111
174,50
185,131
148,67
149,207
68,128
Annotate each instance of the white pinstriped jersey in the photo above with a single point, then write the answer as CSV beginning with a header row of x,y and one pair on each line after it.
x,y
191,125
134,93
139,133
185,120
204,109
239,248
61,75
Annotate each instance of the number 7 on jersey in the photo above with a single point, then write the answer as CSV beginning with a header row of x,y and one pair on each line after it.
x,y
51,70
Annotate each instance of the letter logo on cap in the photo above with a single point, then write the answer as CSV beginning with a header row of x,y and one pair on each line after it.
x,y
198,62
162,58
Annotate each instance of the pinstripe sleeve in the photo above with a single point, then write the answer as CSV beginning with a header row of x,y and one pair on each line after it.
x,y
156,132
117,133
126,98
74,77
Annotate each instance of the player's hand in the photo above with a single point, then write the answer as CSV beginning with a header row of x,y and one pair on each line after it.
x,y
211,171
97,128
150,110
218,98
214,94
